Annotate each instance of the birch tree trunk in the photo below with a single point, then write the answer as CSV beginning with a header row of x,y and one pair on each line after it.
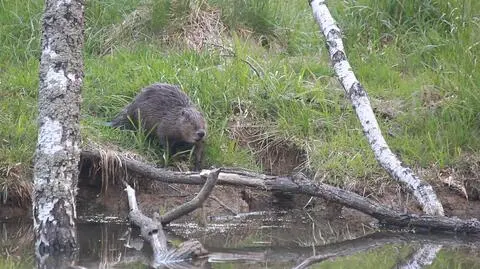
x,y
58,147
422,191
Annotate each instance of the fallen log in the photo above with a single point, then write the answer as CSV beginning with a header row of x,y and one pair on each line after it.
x,y
300,184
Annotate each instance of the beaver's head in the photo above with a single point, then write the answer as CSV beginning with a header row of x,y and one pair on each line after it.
x,y
192,125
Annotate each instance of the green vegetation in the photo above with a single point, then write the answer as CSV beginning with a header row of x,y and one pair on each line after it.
x,y
387,256
392,256
268,69
15,263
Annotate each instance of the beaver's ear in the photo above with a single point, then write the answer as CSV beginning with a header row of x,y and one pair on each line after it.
x,y
183,112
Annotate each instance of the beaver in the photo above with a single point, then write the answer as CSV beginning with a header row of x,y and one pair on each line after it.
x,y
166,112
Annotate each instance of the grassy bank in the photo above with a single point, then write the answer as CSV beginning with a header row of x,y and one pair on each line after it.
x,y
262,79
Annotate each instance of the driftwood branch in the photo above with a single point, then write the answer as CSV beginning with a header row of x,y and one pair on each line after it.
x,y
152,229
211,178
422,191
300,184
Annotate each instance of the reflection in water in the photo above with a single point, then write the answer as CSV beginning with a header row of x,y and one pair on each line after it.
x,y
16,245
59,260
421,257
259,243
101,244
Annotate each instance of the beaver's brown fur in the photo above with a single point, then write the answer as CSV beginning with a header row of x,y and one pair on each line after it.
x,y
168,113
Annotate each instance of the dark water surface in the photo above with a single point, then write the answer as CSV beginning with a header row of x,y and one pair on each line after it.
x,y
256,240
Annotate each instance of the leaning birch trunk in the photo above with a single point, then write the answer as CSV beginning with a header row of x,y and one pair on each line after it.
x,y
423,192
58,147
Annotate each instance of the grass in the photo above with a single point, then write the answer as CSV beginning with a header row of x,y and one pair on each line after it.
x,y
15,262
275,73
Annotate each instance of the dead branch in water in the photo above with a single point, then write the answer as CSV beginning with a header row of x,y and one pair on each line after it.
x,y
422,191
212,177
300,184
152,229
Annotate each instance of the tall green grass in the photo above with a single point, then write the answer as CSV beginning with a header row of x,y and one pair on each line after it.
x,y
19,31
421,54
435,45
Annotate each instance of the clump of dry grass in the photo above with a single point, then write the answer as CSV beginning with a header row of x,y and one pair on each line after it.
x,y
13,186
129,29
276,153
109,166
201,26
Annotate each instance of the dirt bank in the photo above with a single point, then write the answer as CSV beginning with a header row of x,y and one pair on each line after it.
x,y
110,200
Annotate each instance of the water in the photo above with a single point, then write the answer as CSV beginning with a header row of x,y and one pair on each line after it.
x,y
255,240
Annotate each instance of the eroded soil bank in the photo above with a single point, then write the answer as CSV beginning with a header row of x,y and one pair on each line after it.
x,y
97,198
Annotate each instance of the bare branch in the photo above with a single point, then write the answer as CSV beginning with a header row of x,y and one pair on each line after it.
x,y
150,230
211,177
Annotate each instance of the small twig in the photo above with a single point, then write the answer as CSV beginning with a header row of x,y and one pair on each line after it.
x,y
252,67
213,197
308,203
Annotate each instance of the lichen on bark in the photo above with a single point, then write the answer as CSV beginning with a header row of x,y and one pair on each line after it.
x,y
58,147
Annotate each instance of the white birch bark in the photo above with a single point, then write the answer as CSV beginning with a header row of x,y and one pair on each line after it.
x,y
423,192
58,147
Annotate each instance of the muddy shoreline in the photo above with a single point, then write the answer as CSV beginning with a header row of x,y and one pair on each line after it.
x,y
93,199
